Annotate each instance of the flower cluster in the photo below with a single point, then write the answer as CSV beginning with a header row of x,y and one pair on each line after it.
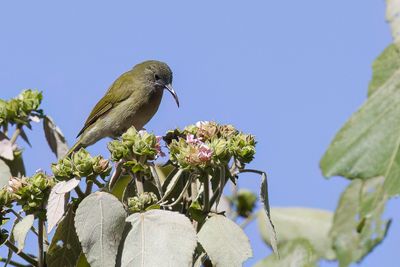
x,y
136,148
245,202
142,202
82,164
22,109
29,192
208,144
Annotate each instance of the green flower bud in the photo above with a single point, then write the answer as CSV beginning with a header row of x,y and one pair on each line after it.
x,y
30,100
33,195
245,202
3,112
243,147
118,150
83,163
227,131
220,147
130,137
142,202
63,170
13,109
6,198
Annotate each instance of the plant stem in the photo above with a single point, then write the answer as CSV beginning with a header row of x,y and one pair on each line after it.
x,y
89,187
14,263
41,243
206,194
79,192
24,256
15,134
139,184
98,183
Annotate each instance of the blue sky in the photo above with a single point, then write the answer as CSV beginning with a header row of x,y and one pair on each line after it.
x,y
290,72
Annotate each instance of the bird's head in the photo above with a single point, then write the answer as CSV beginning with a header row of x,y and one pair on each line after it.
x,y
159,75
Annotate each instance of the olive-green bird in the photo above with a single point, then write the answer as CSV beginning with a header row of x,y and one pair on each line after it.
x,y
132,100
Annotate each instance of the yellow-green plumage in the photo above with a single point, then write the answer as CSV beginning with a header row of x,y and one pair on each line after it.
x,y
132,100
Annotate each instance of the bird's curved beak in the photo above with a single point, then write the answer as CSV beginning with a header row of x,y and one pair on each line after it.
x,y
173,93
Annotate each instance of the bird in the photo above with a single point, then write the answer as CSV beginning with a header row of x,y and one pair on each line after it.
x,y
132,100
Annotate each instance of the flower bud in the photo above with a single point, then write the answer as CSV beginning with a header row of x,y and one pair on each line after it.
x,y
141,202
83,163
30,100
101,166
63,170
15,184
245,202
118,150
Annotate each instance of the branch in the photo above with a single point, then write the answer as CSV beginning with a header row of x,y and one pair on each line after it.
x,y
15,134
24,256
14,263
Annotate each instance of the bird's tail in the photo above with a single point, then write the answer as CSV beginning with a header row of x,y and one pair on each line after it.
x,y
74,148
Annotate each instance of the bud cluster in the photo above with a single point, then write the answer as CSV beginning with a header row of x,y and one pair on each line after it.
x,y
81,164
142,202
22,109
208,144
245,202
136,149
29,192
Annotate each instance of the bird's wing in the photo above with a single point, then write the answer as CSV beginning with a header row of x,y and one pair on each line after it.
x,y
118,92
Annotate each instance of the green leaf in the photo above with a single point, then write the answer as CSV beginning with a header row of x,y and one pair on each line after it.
x,y
99,223
294,223
21,230
268,222
224,242
55,138
5,174
159,238
296,253
65,248
369,143
384,67
393,17
82,261
120,186
357,226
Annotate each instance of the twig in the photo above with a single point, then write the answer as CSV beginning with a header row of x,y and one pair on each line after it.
x,y
15,135
206,194
41,243
24,256
79,192
89,187
98,183
14,263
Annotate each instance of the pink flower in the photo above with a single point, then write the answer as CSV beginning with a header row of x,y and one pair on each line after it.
x,y
205,153
191,140
158,146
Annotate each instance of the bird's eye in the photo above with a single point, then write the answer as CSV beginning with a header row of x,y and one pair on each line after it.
x,y
156,77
